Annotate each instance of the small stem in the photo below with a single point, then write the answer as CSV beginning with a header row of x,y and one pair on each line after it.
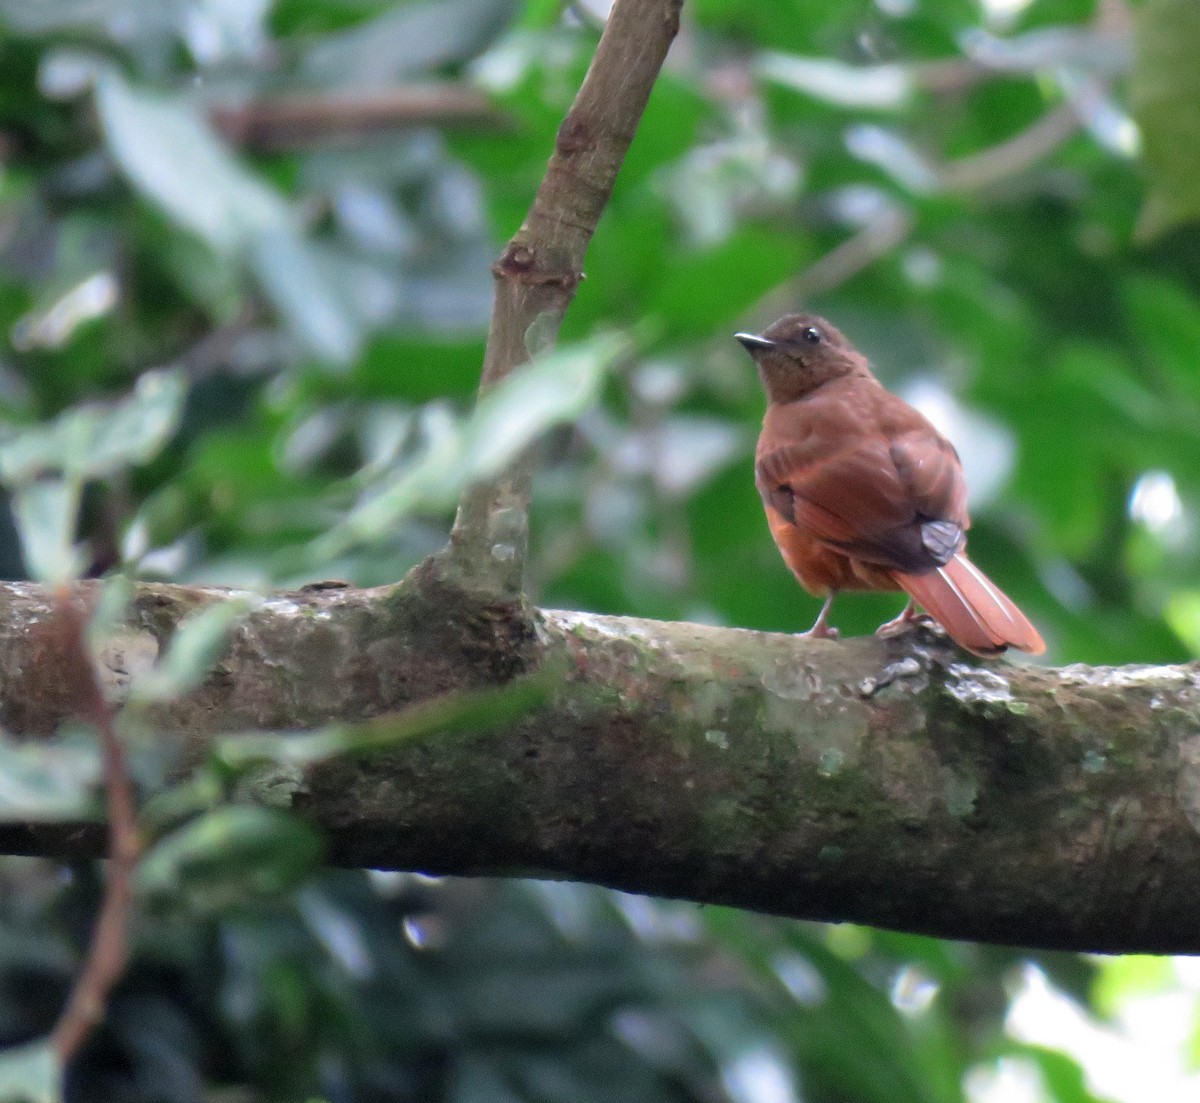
x,y
109,948
1009,158
844,261
539,270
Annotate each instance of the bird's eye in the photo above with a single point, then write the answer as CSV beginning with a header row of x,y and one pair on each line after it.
x,y
812,335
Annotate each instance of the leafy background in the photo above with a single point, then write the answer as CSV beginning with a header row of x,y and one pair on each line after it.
x,y
991,196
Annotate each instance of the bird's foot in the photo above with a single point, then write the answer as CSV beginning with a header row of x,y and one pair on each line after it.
x,y
820,632
893,629
905,622
821,629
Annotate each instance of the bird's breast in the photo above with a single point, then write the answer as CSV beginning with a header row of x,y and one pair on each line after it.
x,y
820,568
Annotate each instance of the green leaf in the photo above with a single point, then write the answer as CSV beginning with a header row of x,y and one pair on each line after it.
x,y
134,430
46,513
412,36
432,477
1165,91
1165,317
47,780
674,117
463,713
30,1074
195,646
1064,1079
96,441
553,389
65,15
291,272
859,86
1182,613
807,26
1131,975
224,856
171,155
556,388
112,609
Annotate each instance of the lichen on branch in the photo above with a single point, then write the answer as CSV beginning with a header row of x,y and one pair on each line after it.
x,y
900,783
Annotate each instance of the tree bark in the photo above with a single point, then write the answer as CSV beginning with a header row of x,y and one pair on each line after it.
x,y
898,783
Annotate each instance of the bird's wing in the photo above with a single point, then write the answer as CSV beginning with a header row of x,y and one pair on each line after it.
x,y
898,501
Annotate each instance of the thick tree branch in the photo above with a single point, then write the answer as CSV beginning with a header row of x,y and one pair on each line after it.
x,y
539,270
902,784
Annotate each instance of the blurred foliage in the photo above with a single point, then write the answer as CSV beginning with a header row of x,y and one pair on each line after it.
x,y
236,358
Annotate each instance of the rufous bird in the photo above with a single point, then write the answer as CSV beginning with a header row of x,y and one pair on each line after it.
x,y
863,493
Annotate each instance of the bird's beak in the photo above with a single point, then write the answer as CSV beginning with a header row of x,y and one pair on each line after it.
x,y
753,341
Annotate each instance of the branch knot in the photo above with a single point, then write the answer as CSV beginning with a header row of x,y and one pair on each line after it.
x,y
519,263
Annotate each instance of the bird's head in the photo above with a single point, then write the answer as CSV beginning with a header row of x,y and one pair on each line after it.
x,y
798,353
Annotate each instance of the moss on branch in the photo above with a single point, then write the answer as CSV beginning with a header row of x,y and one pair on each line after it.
x,y
899,783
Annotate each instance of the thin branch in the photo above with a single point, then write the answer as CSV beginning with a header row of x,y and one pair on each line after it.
x,y
1102,50
214,352
843,262
878,238
299,121
107,955
539,270
1014,156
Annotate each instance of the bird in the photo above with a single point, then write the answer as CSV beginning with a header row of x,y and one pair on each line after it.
x,y
862,493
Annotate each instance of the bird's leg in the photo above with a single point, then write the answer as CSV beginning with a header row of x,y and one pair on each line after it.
x,y
901,624
821,629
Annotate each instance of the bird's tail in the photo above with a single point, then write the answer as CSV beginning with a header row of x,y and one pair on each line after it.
x,y
971,607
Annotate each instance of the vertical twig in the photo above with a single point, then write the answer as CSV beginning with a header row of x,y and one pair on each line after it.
x,y
539,270
109,947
